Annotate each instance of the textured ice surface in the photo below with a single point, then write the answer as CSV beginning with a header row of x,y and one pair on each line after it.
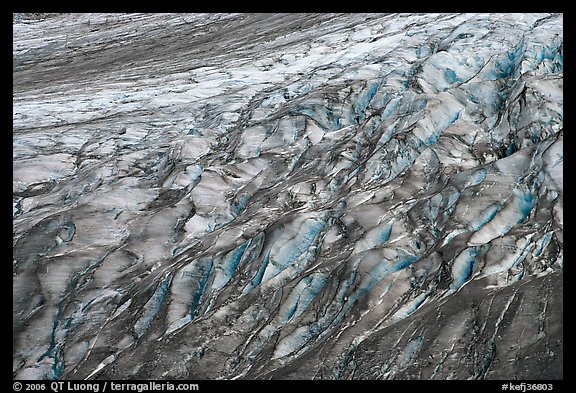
x,y
329,196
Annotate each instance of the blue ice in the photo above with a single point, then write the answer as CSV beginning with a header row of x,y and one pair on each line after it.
x,y
239,204
406,357
451,76
194,172
525,205
321,114
410,307
202,284
294,248
364,100
463,266
257,279
485,216
152,307
229,265
477,177
542,243
508,64
302,296
377,274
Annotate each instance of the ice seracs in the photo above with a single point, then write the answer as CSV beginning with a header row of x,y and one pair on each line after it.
x,y
288,196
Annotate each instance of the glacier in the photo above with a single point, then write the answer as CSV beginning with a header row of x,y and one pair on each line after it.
x,y
288,196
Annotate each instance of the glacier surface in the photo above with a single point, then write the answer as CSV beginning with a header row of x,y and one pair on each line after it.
x,y
288,196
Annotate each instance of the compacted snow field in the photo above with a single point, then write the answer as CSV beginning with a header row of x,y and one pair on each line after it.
x,y
287,196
